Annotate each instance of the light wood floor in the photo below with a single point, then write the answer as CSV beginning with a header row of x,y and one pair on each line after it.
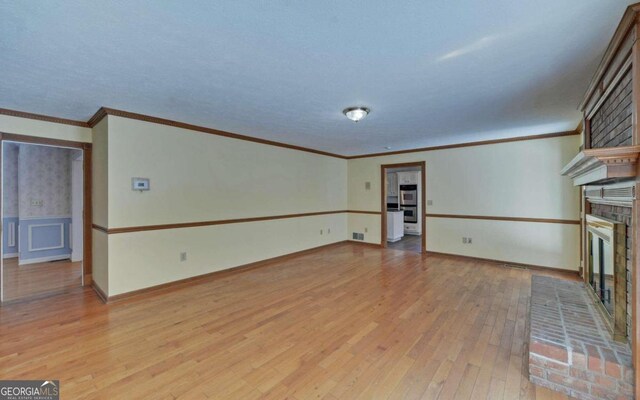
x,y
25,281
346,322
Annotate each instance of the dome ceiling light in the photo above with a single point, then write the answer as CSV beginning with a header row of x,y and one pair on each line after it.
x,y
356,113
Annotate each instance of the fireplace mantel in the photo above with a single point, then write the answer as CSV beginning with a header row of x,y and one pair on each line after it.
x,y
602,165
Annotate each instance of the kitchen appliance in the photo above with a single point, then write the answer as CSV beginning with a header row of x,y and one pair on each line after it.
x,y
410,213
393,206
408,195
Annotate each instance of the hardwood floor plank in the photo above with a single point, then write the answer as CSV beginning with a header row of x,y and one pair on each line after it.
x,y
22,282
345,322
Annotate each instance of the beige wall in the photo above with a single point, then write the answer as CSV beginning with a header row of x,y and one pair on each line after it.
x,y
99,170
100,203
44,129
143,259
201,177
515,179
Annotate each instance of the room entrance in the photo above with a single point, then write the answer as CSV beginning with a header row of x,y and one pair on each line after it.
x,y
43,218
403,206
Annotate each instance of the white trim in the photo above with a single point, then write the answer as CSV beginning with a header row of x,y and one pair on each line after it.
x,y
9,216
30,239
43,259
11,234
10,255
45,217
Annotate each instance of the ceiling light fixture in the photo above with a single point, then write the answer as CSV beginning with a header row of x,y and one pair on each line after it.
x,y
356,113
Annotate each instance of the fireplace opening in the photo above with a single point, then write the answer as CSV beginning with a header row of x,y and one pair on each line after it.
x,y
601,270
606,271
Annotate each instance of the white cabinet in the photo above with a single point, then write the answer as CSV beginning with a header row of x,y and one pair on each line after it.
x,y
395,228
392,184
408,178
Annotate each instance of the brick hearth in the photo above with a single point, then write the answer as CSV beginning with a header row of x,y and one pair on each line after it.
x,y
570,348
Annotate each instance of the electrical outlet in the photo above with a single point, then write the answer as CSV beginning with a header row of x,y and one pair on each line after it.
x,y
328,231
429,202
464,240
183,256
468,240
366,230
37,203
321,231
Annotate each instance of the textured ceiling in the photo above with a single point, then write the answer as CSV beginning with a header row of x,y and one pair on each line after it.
x,y
432,72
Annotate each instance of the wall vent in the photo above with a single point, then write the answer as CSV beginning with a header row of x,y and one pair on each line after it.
x,y
619,192
358,236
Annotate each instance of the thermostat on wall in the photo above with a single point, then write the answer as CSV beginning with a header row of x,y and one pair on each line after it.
x,y
140,184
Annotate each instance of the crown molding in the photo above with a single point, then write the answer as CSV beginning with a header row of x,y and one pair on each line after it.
x,y
104,111
469,144
42,117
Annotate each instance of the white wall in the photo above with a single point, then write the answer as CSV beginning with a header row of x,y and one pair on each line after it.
x,y
513,179
202,177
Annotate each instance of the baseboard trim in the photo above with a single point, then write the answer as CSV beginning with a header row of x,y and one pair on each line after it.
x,y
99,292
44,259
493,261
174,285
10,255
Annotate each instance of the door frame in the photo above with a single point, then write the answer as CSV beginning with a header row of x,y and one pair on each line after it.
x,y
87,237
383,199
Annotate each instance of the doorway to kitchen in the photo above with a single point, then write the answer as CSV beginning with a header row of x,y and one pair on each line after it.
x,y
403,199
43,217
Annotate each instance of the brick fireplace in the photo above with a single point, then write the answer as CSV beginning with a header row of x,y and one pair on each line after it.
x,y
607,170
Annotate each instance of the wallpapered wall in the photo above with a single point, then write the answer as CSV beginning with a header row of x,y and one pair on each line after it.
x,y
44,174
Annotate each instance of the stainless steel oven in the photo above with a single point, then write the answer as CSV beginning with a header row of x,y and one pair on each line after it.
x,y
408,195
410,213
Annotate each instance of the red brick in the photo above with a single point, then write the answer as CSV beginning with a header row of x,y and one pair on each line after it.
x,y
605,382
549,351
602,393
613,369
548,364
537,371
595,364
579,374
572,383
